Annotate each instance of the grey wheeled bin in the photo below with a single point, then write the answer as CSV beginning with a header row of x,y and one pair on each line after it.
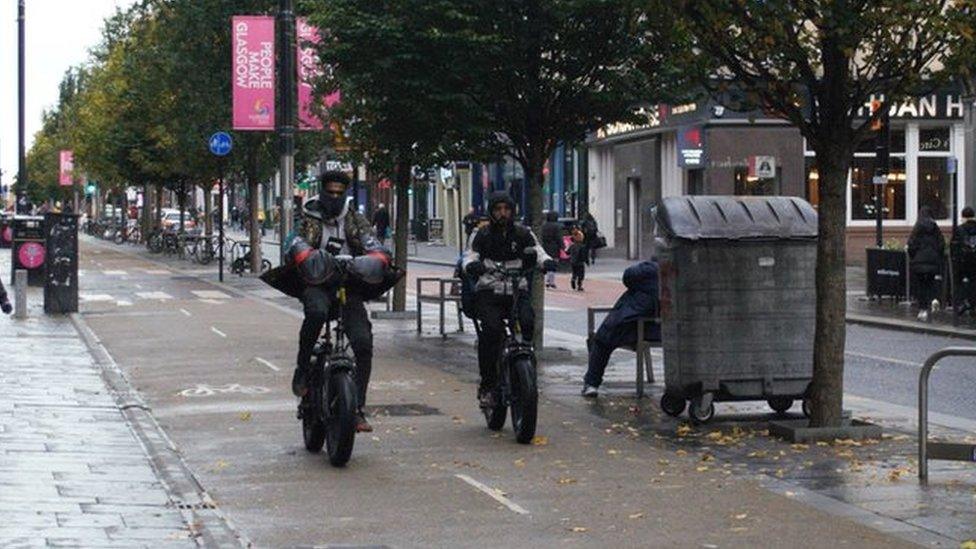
x,y
737,301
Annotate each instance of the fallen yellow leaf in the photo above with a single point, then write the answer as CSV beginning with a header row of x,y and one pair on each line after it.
x,y
578,529
636,516
245,416
968,544
566,480
612,452
741,516
520,462
539,440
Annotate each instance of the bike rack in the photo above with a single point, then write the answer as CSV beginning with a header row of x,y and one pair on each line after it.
x,y
950,451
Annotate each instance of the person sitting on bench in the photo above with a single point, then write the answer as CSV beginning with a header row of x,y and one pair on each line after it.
x,y
619,328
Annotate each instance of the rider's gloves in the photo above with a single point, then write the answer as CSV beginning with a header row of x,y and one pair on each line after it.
x,y
550,264
5,306
475,269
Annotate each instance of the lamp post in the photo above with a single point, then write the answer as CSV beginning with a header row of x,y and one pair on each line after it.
x,y
21,206
287,120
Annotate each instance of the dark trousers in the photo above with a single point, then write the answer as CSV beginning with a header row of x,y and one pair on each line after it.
x,y
3,293
579,273
319,303
602,345
926,289
492,311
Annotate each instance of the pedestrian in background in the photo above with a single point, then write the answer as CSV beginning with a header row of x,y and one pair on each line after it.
x,y
926,247
470,222
4,300
552,243
590,233
381,222
578,256
963,247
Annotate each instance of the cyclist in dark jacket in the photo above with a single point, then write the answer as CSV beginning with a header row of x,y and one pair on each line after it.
x,y
926,249
552,243
619,328
500,245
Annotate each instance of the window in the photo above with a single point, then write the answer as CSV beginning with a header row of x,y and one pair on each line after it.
x,y
934,140
863,189
813,181
746,185
696,182
934,186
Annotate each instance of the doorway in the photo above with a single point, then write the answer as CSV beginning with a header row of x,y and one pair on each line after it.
x,y
633,217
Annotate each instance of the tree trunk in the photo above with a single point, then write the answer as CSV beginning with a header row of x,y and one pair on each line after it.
x,y
535,180
146,220
402,229
158,214
827,393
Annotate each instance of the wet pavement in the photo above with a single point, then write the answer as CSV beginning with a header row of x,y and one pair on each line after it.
x,y
72,472
602,474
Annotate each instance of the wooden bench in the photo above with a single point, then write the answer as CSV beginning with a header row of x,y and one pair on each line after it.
x,y
645,365
449,289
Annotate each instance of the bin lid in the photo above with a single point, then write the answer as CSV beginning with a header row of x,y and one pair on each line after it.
x,y
737,218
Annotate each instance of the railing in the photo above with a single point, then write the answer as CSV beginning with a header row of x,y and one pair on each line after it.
x,y
446,293
951,451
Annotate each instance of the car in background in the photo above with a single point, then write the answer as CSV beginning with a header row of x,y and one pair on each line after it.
x,y
171,220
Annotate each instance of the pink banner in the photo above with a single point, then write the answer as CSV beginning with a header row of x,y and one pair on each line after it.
x,y
66,177
254,73
308,70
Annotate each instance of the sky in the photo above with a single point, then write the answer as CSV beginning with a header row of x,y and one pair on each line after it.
x,y
59,36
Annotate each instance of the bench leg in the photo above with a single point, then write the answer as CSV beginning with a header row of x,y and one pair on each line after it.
x,y
460,317
420,314
640,370
648,364
443,333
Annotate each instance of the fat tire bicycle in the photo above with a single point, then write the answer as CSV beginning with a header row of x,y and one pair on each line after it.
x,y
328,411
517,387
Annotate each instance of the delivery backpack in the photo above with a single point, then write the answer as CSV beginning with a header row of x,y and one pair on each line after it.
x,y
467,290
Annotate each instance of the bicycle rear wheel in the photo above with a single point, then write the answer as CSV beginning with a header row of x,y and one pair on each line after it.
x,y
525,399
341,423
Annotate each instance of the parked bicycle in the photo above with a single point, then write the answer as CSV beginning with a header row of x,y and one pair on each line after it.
x,y
241,259
328,409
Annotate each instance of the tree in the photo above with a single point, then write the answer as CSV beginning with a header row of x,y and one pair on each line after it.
x,y
399,66
545,72
816,64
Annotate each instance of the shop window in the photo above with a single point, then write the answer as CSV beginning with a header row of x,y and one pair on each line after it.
x,y
696,182
896,142
934,186
934,140
746,185
863,189
813,181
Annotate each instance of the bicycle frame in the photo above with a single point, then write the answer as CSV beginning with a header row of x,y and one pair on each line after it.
x,y
514,347
329,357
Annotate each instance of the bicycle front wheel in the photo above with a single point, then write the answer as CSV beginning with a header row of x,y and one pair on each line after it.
x,y
341,424
525,399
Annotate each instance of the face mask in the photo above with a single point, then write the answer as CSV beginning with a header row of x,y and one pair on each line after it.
x,y
332,206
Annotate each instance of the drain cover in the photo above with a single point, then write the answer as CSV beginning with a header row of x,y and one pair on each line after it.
x,y
402,410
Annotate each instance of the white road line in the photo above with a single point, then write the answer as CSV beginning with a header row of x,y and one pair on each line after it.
x,y
162,296
268,364
218,332
210,294
883,359
185,312
158,272
123,303
96,297
115,273
494,494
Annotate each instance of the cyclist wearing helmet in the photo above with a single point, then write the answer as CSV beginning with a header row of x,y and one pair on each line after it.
x,y
500,245
330,224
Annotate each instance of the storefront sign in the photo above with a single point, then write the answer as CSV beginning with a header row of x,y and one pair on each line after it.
x,y
691,147
253,73
649,118
935,106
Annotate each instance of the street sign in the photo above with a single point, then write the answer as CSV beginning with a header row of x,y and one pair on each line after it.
x,y
762,167
880,179
221,144
951,164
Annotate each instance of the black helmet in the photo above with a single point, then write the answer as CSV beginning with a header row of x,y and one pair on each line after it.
x,y
496,198
334,176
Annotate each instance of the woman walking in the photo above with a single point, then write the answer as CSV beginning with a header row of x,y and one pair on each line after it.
x,y
552,243
926,248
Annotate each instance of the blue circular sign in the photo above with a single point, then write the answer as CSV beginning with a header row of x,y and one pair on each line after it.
x,y
221,144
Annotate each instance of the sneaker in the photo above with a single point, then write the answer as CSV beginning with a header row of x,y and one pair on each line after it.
x,y
298,382
486,399
573,284
590,391
362,426
6,307
936,305
923,316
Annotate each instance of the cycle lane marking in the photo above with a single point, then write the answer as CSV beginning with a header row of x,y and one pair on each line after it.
x,y
494,493
186,313
267,363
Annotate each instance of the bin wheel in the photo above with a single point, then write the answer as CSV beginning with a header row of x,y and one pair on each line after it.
x,y
698,414
807,408
780,404
672,404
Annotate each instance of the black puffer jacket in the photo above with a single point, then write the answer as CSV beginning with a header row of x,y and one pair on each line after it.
x,y
926,246
552,235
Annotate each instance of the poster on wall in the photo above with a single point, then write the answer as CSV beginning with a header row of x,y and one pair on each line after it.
x,y
253,47
691,147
